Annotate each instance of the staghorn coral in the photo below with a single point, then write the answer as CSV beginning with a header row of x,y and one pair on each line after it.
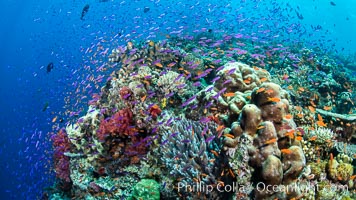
x,y
317,143
319,135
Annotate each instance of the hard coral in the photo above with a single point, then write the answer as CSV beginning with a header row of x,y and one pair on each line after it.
x,y
265,121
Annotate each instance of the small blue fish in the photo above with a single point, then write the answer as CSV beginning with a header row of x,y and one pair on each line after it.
x,y
188,101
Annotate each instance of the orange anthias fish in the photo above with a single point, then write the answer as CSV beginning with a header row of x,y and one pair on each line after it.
x,y
290,134
299,138
328,108
260,90
171,64
54,119
313,138
247,81
260,127
229,94
286,151
271,141
312,109
274,99
289,116
269,91
229,135
219,128
321,123
143,98
298,108
263,79
159,65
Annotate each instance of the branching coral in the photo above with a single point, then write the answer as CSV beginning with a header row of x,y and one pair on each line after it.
x,y
189,151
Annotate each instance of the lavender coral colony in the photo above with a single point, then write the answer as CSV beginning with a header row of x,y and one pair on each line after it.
x,y
182,119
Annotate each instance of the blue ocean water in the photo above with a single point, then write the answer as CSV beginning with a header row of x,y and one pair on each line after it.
x,y
33,34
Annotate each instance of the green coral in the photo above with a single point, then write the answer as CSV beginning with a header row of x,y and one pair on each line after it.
x,y
146,189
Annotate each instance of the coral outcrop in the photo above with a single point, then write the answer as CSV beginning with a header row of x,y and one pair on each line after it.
x,y
274,150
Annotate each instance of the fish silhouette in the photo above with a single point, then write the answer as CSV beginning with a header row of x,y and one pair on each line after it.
x,y
50,67
146,9
84,11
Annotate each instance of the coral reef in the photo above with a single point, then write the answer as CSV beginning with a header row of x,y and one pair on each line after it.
x,y
175,123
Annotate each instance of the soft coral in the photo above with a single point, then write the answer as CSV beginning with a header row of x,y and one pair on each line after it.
x,y
120,124
61,145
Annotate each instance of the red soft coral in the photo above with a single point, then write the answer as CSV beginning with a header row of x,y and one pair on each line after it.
x,y
61,145
119,125
155,111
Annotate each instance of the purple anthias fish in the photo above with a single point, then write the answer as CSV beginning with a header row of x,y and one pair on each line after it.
x,y
209,139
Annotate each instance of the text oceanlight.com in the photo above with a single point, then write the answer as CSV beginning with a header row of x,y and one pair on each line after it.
x,y
262,187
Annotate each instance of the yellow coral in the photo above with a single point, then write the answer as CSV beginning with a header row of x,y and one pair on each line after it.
x,y
339,171
345,171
